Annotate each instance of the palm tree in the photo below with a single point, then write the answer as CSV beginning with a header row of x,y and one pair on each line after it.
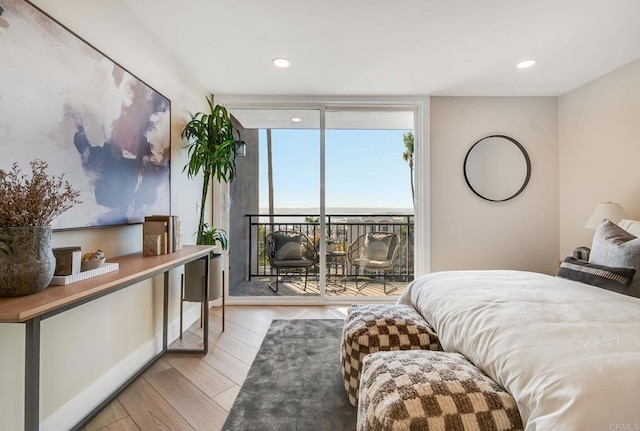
x,y
407,156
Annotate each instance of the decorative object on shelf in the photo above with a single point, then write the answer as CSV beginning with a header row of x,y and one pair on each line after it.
x,y
92,260
68,260
497,168
95,119
161,234
607,210
63,280
27,207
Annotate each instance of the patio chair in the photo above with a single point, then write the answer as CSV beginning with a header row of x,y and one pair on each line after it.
x,y
374,251
289,250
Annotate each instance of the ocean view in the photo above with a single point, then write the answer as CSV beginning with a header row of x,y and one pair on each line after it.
x,y
340,211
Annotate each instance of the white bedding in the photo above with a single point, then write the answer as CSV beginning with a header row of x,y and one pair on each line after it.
x,y
569,353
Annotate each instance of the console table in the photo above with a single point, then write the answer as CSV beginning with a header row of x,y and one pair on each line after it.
x,y
134,268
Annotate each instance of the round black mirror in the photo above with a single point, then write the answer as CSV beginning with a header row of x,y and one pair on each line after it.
x,y
497,168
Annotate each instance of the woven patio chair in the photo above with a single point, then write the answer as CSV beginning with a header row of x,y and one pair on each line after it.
x,y
288,250
374,251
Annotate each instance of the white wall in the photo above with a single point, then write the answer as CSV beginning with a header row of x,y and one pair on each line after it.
x,y
599,151
470,233
86,351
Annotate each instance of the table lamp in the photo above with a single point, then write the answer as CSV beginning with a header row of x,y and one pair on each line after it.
x,y
607,210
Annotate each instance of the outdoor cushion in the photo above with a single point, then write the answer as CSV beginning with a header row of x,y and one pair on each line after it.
x,y
288,247
372,263
299,263
376,247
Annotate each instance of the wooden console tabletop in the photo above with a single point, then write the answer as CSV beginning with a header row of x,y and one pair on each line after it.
x,y
133,267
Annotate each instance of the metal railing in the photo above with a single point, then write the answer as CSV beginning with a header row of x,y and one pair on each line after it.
x,y
341,229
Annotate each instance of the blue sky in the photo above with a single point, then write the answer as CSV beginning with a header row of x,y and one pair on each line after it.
x,y
364,168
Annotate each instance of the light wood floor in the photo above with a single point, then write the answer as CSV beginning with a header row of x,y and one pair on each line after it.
x,y
187,392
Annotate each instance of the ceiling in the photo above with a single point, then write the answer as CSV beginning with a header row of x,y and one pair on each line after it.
x,y
405,47
343,119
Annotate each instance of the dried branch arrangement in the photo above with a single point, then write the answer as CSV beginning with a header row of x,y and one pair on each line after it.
x,y
34,201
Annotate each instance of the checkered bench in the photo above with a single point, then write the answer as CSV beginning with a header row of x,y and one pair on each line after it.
x,y
380,327
431,391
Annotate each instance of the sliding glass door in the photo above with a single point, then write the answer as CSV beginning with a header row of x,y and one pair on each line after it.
x,y
368,200
275,207
322,203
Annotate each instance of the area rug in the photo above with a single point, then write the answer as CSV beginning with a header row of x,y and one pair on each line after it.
x,y
295,381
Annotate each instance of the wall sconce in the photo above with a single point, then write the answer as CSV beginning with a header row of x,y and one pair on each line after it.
x,y
607,210
241,148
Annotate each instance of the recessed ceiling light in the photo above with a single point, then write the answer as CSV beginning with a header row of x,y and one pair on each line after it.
x,y
525,64
296,119
280,62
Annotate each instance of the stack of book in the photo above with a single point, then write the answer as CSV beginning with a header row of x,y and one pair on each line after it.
x,y
161,234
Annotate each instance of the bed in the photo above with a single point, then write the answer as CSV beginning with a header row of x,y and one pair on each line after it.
x,y
568,352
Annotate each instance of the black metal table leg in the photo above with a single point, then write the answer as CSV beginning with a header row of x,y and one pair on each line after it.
x,y
205,320
165,311
205,329
32,375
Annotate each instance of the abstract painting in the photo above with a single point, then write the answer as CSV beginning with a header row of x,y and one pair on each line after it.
x,y
64,102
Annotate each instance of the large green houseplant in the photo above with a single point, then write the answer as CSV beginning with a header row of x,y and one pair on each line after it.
x,y
212,151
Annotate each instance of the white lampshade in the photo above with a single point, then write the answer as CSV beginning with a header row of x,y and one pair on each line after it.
x,y
608,210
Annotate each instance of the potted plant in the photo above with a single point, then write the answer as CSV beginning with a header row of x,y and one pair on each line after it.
x,y
27,208
329,242
212,236
212,151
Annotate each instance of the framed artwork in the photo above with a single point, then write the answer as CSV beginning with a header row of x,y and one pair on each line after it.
x,y
64,102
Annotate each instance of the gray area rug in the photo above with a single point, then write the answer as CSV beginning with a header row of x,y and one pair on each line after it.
x,y
295,381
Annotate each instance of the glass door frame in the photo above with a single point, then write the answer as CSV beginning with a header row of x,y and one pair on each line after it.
x,y
422,253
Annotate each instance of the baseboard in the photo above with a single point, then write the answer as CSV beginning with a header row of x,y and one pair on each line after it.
x,y
83,403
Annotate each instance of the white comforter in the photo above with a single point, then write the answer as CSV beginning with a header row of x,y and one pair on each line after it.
x,y
569,353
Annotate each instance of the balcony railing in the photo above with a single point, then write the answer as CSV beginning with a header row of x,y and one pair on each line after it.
x,y
342,229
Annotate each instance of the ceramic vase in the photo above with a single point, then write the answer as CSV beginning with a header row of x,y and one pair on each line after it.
x,y
26,260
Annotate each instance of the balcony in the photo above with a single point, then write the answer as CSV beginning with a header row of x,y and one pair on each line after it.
x,y
341,230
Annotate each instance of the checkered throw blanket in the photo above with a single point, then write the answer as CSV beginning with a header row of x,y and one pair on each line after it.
x,y
431,391
380,327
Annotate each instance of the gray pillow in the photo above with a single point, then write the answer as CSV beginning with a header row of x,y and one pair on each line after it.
x,y
615,279
288,247
615,247
376,247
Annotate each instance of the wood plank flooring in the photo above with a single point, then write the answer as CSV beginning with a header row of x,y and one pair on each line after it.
x,y
193,393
